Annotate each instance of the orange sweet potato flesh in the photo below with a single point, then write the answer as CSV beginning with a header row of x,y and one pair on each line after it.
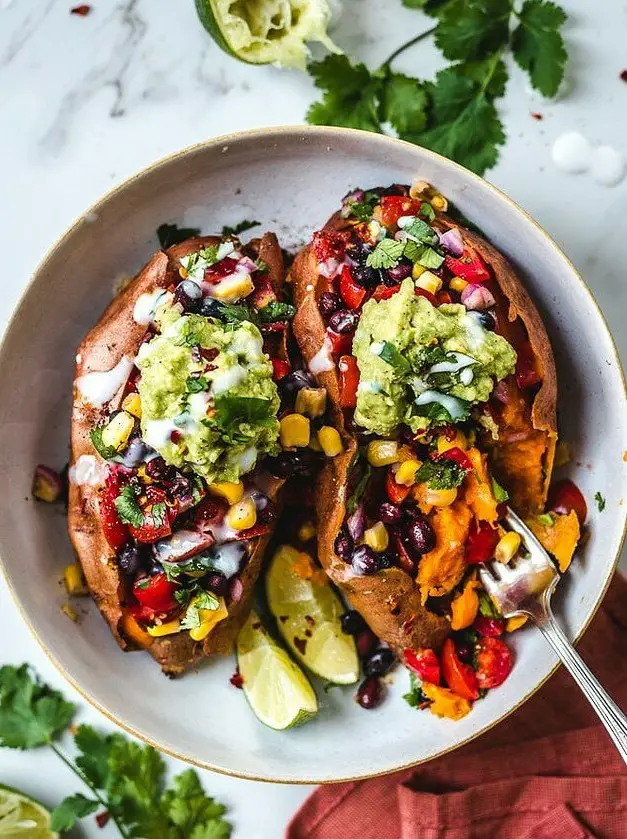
x,y
559,539
115,335
440,570
478,492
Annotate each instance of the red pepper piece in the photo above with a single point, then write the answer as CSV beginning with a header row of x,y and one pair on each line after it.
x,y
384,292
280,369
82,11
424,663
157,593
152,528
469,266
329,244
460,677
489,627
263,293
395,206
458,456
422,292
221,269
340,344
115,531
352,293
443,297
349,380
565,496
481,542
494,662
397,493
526,372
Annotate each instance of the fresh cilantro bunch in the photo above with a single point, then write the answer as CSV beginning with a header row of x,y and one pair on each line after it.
x,y
125,780
456,114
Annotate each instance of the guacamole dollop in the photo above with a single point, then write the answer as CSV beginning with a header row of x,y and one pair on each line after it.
x,y
208,400
423,365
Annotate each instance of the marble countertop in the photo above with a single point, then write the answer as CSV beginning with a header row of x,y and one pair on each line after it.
x,y
86,102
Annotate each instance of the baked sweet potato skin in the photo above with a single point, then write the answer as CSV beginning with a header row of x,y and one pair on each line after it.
x,y
114,336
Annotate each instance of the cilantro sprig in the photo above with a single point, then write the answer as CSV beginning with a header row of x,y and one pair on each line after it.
x,y
125,780
455,114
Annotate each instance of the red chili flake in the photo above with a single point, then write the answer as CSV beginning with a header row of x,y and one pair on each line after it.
x,y
311,621
408,624
257,625
209,353
283,618
537,116
102,818
300,644
83,11
236,680
308,633
176,437
623,75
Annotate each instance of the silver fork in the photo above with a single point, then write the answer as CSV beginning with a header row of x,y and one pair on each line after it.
x,y
526,589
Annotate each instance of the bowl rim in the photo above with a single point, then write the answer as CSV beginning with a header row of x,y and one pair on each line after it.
x,y
266,134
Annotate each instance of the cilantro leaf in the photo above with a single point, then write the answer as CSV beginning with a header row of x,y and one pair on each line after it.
x,y
236,313
31,713
423,255
469,29
193,812
72,808
362,210
499,492
538,45
158,514
360,486
391,355
196,384
172,234
276,311
415,697
488,70
241,227
128,508
404,104
386,254
106,452
487,607
93,756
421,232
231,410
202,600
441,474
600,501
350,97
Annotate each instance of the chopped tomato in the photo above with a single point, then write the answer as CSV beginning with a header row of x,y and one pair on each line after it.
x,y
156,593
115,531
154,526
221,269
329,244
494,662
352,293
458,456
349,380
489,627
395,206
481,542
526,372
397,493
340,344
384,292
469,266
460,677
422,292
424,663
280,369
565,496
443,297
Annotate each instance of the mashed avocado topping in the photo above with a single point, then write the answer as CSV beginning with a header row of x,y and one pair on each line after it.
x,y
208,399
423,365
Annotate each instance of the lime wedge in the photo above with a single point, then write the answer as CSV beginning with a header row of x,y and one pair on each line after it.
x,y
267,31
23,818
277,689
308,617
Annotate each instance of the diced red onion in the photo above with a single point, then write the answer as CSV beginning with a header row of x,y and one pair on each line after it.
x,y
236,589
502,392
328,268
47,484
356,522
399,273
452,241
477,297
354,197
246,265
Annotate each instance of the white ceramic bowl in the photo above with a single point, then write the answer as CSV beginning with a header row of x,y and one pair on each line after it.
x,y
291,180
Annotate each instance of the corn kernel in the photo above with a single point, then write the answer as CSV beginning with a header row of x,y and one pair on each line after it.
x,y
562,454
382,452
330,441
294,431
406,453
457,284
418,189
306,531
69,612
234,288
75,584
512,624
458,442
439,203
429,282
132,404
406,472
208,620
440,497
377,537
233,492
168,628
311,401
134,632
117,431
418,270
507,547
242,515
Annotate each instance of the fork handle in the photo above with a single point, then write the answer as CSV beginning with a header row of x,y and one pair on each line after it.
x,y
609,713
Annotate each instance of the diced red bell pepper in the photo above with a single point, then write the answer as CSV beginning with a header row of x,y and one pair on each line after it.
x,y
395,206
443,297
397,493
565,496
489,627
469,266
494,661
280,369
352,293
422,292
329,244
340,344
384,292
526,371
263,293
221,269
152,528
115,531
349,380
156,593
460,677
481,542
458,456
424,663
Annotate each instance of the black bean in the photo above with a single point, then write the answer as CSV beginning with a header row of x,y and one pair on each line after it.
x,y
370,693
343,322
486,319
328,304
417,534
343,545
217,582
130,559
364,560
352,622
389,513
210,308
189,295
286,464
365,275
399,272
379,662
290,384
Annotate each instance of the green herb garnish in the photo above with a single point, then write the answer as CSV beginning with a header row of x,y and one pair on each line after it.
x,y
386,254
158,513
487,607
391,355
443,473
242,227
106,452
276,311
128,509
600,501
499,492
196,384
415,698
232,410
172,234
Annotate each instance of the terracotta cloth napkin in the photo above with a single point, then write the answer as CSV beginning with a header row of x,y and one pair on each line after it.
x,y
549,771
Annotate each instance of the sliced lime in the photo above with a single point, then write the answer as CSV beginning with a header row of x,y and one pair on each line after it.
x,y
267,31
277,689
23,818
308,617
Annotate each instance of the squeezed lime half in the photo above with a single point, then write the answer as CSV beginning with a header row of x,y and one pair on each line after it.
x,y
278,691
23,818
267,31
308,617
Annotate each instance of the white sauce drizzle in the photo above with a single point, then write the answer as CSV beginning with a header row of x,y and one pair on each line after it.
x,y
322,360
146,305
453,405
227,558
247,459
100,387
157,432
458,362
224,380
369,387
87,471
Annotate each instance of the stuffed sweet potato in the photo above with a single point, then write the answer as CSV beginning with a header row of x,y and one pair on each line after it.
x,y
174,419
